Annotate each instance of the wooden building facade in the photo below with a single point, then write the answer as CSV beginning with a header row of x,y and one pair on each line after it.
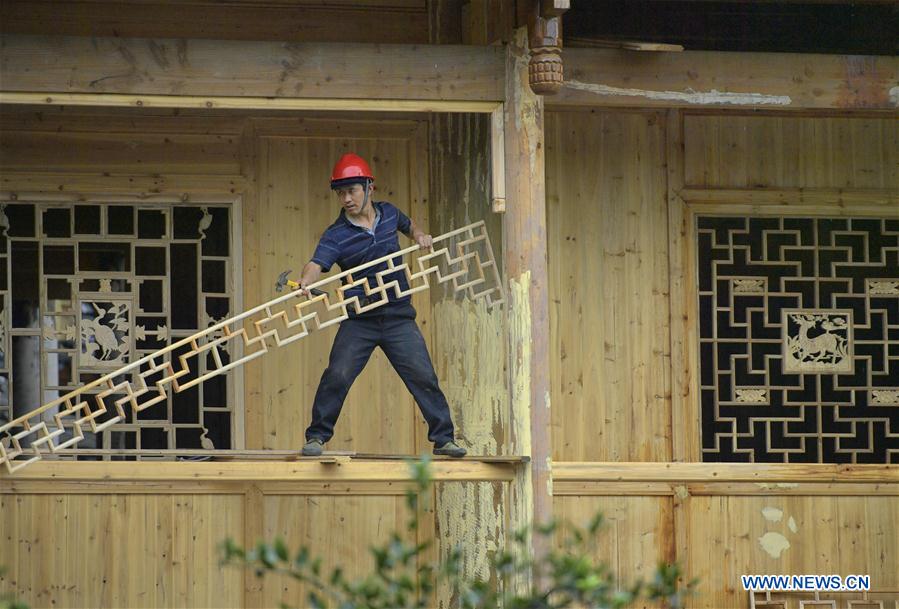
x,y
675,233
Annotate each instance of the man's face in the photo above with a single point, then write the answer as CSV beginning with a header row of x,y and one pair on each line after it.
x,y
351,197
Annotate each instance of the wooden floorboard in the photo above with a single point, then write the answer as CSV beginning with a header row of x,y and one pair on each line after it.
x,y
263,455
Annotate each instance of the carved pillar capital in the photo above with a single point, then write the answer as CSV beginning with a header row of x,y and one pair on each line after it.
x,y
545,74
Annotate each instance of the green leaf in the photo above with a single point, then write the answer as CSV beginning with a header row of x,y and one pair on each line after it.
x,y
548,528
315,601
596,522
590,582
270,557
336,576
281,550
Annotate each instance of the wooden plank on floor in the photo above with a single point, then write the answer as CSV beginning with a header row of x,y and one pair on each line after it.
x,y
140,472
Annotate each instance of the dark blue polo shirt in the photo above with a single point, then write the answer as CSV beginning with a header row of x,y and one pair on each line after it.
x,y
348,245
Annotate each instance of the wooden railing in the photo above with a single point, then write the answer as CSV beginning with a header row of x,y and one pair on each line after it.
x,y
471,270
866,599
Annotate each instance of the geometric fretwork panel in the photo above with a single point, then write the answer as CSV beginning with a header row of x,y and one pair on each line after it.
x,y
799,339
461,258
868,599
87,288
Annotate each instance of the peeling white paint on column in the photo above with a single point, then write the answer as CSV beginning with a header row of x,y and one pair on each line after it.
x,y
470,361
772,514
699,98
776,485
774,544
792,524
549,478
470,515
894,96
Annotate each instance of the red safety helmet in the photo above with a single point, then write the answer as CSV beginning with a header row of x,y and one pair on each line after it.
x,y
351,169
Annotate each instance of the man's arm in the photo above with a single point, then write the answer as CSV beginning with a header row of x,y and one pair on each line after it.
x,y
311,273
419,236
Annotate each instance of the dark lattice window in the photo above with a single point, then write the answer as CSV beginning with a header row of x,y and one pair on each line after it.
x,y
799,339
88,288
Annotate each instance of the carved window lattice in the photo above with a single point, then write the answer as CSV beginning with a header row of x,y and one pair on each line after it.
x,y
874,599
87,288
799,339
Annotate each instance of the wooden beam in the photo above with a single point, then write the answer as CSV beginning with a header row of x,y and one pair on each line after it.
x,y
524,254
498,160
253,471
330,456
243,103
205,487
762,473
778,81
239,69
628,45
676,489
71,186
849,198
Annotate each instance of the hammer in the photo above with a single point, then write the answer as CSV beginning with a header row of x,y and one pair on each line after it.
x,y
284,281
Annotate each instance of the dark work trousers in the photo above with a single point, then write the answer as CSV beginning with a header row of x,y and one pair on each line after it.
x,y
395,331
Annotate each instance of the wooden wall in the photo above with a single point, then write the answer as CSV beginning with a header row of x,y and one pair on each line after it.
x,y
621,185
622,188
719,521
616,185
290,169
140,550
148,534
278,169
606,226
783,151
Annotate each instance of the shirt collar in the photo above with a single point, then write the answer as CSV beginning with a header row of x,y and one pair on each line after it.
x,y
377,208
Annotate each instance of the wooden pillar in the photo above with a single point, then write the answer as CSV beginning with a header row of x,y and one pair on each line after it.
x,y
524,256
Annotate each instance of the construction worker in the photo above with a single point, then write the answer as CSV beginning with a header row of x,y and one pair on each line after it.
x,y
366,230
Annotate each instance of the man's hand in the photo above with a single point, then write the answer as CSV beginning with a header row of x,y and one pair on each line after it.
x,y
424,241
311,273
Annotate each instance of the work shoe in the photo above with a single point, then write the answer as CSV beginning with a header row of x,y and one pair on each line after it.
x,y
313,448
450,449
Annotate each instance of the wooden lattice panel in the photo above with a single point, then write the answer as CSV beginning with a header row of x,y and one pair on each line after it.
x,y
874,599
87,291
462,258
799,339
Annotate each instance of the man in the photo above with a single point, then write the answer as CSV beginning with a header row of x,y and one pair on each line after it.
x,y
364,231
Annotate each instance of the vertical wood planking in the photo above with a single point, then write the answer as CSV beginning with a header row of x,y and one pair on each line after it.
x,y
792,535
252,282
469,341
335,528
636,535
127,550
469,345
419,212
608,235
296,207
783,151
